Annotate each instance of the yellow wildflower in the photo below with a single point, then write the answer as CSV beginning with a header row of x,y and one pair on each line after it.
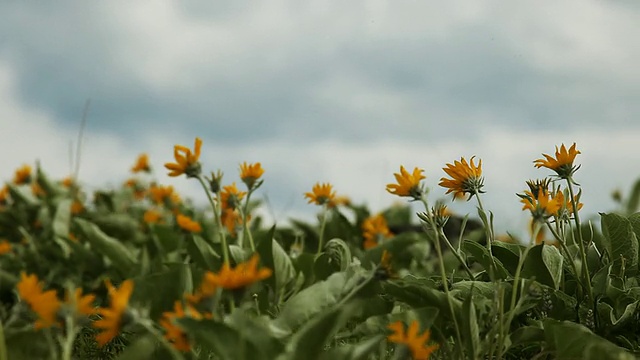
x,y
250,173
152,216
173,333
186,223
414,342
562,164
4,195
407,184
37,190
242,275
76,207
142,164
164,195
543,206
5,247
231,219
374,231
466,178
44,303
231,196
321,194
186,162
22,175
112,318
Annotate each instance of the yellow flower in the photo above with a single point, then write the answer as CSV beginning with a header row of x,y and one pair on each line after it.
x,y
5,247
374,231
112,318
466,178
339,200
242,275
81,304
186,223
76,207
173,333
207,290
186,162
67,182
562,164
152,216
231,219
4,195
164,195
321,194
37,190
385,270
250,173
22,175
414,342
407,184
231,197
142,164
44,303
137,187
543,206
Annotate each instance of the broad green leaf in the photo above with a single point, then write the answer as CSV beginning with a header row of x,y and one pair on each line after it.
x,y
62,218
526,335
378,324
273,256
339,252
166,239
544,263
396,246
508,254
309,341
463,289
482,256
574,341
470,330
608,317
358,351
324,265
418,294
257,329
634,199
23,194
621,242
161,289
202,253
223,340
142,348
117,253
121,226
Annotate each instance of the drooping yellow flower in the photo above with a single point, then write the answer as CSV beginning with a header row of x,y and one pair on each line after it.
x,y
242,275
112,317
562,164
173,333
374,231
152,216
142,164
22,175
231,220
407,184
321,194
44,303
186,162
230,197
5,247
250,173
414,342
543,206
466,177
186,223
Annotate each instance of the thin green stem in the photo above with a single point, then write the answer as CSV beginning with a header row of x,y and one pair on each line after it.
x,y
563,244
488,228
3,344
443,273
70,336
523,258
323,224
583,250
245,228
218,219
456,253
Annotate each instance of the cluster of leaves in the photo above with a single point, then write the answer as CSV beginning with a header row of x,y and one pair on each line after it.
x,y
331,301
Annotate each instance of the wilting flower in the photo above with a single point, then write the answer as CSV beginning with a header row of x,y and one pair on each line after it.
x,y
215,181
113,318
414,342
186,162
250,173
152,216
142,164
242,275
407,184
173,333
186,223
374,231
321,194
5,247
231,197
44,303
22,175
542,206
562,164
466,178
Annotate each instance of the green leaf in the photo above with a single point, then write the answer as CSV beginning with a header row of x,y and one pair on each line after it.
x,y
634,198
378,324
202,253
418,294
142,348
396,246
544,263
309,341
120,256
508,254
62,218
223,340
121,226
608,317
620,241
273,256
22,194
470,330
482,256
161,289
465,288
359,351
574,341
339,253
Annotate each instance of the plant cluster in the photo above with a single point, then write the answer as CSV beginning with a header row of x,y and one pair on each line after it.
x,y
139,273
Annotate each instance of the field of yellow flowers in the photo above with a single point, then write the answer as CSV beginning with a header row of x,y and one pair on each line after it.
x,y
137,273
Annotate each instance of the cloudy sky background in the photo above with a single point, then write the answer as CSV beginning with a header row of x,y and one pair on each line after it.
x,y
335,91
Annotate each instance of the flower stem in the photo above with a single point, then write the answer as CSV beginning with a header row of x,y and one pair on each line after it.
x,y
488,228
71,332
325,209
3,344
245,228
583,250
217,216
563,244
456,253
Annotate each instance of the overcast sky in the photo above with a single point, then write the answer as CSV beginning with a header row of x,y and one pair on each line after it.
x,y
331,91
